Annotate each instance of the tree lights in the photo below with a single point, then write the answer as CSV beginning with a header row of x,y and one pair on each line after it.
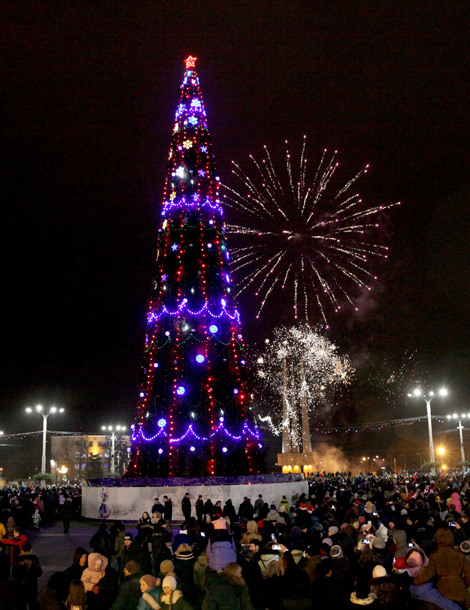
x,y
193,365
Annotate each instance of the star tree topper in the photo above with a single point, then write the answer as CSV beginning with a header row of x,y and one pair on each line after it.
x,y
190,62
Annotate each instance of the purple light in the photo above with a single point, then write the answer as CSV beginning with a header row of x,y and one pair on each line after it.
x,y
209,245
161,422
153,316
192,448
224,449
260,445
245,432
180,391
227,277
235,391
142,394
155,365
213,328
160,451
200,358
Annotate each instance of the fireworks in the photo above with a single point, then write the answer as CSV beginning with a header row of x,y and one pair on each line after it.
x,y
298,368
392,382
304,236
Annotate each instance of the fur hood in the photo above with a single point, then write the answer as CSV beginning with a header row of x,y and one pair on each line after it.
x,y
93,559
359,601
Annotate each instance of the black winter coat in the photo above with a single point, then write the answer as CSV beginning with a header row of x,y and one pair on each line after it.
x,y
224,593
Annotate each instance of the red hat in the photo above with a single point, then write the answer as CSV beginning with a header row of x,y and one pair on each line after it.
x,y
399,563
310,508
303,506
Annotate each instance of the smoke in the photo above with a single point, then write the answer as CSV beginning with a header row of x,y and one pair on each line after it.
x,y
332,459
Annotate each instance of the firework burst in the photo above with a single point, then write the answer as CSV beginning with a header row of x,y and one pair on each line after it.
x,y
299,367
303,235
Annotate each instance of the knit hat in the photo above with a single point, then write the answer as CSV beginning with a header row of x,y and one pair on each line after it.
x,y
128,536
318,527
328,541
379,572
378,543
403,511
169,581
332,530
149,580
167,566
414,562
336,552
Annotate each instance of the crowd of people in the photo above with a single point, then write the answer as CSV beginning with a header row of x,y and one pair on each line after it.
x,y
380,541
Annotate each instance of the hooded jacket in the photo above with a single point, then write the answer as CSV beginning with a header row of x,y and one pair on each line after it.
x,y
450,567
95,572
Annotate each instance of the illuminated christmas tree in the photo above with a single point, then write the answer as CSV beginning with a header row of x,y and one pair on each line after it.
x,y
194,414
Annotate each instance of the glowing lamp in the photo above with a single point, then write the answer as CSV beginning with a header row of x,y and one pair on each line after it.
x,y
192,448
180,390
142,394
213,328
160,451
155,365
224,302
235,391
224,449
161,423
200,358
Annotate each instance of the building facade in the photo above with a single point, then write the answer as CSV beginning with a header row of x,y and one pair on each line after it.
x,y
75,458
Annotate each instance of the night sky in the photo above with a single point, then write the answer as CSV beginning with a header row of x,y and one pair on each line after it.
x,y
89,92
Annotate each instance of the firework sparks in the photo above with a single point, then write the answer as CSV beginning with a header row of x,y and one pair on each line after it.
x,y
306,237
299,366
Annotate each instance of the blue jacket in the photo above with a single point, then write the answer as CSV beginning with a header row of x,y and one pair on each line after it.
x,y
144,605
429,593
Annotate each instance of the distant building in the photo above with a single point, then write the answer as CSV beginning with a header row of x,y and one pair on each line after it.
x,y
75,458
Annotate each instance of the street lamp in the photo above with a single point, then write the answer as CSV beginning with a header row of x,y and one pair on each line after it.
x,y
460,428
39,410
428,399
112,432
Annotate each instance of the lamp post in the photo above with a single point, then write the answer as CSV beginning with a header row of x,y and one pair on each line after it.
x,y
39,410
428,400
460,429
112,433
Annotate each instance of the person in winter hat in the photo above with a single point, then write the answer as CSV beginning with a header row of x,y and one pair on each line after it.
x,y
415,559
284,502
95,572
150,593
172,598
450,568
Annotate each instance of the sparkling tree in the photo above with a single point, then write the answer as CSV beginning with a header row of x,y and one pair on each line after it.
x,y
298,367
194,415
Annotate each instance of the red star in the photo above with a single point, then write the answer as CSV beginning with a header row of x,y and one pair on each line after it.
x,y
190,62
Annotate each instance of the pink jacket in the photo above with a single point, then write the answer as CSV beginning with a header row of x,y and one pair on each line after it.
x,y
94,573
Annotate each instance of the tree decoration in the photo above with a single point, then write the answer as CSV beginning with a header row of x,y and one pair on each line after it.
x,y
191,421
